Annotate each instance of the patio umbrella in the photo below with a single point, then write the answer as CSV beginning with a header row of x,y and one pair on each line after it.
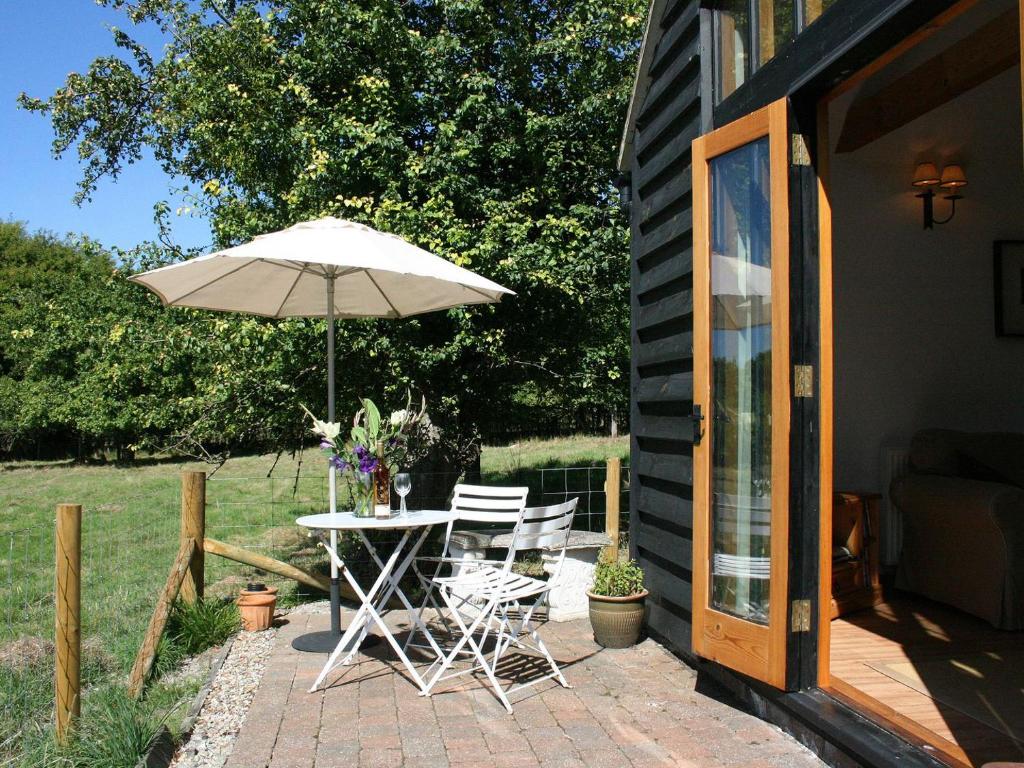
x,y
323,268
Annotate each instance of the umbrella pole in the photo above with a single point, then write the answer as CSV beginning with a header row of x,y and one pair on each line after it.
x,y
325,641
332,478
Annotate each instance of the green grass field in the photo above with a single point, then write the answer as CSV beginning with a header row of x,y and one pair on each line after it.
x,y
129,537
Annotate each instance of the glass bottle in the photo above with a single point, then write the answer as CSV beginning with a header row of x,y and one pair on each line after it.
x,y
381,485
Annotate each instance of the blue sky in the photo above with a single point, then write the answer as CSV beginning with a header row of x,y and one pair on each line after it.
x,y
44,40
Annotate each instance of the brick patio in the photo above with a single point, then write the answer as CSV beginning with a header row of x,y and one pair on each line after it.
x,y
636,707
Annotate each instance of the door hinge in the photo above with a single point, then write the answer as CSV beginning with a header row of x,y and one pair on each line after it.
x,y
801,155
801,621
803,381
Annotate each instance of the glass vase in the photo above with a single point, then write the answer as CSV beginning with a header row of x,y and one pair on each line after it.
x,y
363,495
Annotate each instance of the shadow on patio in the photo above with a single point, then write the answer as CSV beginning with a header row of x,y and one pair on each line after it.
x,y
634,707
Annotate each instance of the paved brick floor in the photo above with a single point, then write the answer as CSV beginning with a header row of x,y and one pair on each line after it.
x,y
635,707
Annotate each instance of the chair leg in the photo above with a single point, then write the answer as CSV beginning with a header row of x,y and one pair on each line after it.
x,y
554,667
535,636
429,598
426,588
467,639
449,659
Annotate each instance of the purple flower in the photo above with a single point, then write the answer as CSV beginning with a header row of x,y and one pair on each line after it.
x,y
326,445
361,452
338,463
392,442
367,464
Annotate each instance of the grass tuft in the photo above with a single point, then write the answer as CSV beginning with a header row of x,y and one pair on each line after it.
x,y
117,732
194,627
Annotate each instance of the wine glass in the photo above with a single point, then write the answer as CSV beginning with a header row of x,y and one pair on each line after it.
x,y
403,484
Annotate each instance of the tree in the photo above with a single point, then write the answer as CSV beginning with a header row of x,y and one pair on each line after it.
x,y
484,131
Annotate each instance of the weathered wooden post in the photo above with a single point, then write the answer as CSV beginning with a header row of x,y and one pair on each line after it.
x,y
67,674
193,526
147,651
612,491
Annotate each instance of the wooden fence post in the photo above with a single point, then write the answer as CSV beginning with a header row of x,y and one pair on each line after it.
x,y
68,673
147,651
612,492
193,526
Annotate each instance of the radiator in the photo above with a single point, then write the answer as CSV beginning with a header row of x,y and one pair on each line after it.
x,y
895,463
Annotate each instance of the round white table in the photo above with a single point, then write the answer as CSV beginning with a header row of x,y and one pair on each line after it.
x,y
373,602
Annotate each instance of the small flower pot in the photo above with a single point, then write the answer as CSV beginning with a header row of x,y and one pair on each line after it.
x,y
256,605
617,621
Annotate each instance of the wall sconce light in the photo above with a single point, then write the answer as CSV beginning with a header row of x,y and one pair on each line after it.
x,y
927,177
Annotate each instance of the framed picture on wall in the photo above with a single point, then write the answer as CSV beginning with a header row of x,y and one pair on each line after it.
x,y
1009,284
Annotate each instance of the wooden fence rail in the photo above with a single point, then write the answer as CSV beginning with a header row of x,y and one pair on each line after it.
x,y
269,564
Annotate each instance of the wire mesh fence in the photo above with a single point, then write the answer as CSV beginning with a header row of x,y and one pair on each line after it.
x,y
258,514
129,544
126,550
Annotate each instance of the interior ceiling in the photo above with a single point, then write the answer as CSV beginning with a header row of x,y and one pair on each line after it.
x,y
978,45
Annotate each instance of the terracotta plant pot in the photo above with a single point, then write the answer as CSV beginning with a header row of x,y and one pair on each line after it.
x,y
256,605
617,621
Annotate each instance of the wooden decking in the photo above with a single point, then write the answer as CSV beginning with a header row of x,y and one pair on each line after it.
x,y
911,630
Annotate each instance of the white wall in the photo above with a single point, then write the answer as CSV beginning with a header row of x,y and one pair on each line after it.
x,y
915,343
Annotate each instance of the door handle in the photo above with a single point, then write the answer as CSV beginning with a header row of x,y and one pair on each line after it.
x,y
697,418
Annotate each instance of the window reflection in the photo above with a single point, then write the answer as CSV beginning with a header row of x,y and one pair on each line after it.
x,y
814,8
741,366
732,20
749,33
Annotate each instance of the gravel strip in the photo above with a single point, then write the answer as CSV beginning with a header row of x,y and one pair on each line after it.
x,y
317,606
227,703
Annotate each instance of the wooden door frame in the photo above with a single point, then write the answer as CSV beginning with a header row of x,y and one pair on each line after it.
x,y
826,394
826,317
762,651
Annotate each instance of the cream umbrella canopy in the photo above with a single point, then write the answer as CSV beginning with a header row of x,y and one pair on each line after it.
x,y
323,268
283,274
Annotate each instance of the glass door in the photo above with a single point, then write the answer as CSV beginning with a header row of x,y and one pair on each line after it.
x,y
741,383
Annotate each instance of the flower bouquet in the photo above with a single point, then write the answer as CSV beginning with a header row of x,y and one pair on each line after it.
x,y
373,450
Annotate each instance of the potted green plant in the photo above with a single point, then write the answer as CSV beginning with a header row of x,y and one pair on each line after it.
x,y
617,603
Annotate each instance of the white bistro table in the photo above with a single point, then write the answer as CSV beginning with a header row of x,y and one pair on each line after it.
x,y
374,600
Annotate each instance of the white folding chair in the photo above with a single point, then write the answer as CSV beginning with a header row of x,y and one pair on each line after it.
x,y
498,594
473,503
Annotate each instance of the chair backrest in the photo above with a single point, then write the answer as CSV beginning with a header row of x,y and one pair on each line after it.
x,y
544,528
489,504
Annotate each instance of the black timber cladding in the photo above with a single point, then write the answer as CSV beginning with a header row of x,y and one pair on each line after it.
x,y
676,108
851,34
661,498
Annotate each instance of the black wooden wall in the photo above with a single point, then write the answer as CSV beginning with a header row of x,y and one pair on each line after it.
x,y
661,493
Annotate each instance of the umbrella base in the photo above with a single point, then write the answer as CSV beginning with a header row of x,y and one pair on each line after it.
x,y
325,642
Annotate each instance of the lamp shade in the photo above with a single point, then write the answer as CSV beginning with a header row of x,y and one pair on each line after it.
x,y
926,175
953,177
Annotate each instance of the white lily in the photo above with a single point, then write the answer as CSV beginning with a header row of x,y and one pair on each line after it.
x,y
329,430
